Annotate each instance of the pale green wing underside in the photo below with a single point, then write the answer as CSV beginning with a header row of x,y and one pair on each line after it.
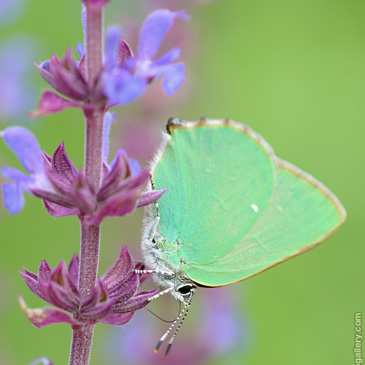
x,y
302,214
233,207
214,174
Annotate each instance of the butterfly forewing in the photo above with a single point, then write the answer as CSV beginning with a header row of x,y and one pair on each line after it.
x,y
220,178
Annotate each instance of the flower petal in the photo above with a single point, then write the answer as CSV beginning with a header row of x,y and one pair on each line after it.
x,y
62,164
123,199
51,103
59,211
80,49
118,172
173,77
44,70
41,317
119,270
67,77
126,289
108,119
150,197
73,270
134,166
44,272
167,58
83,194
42,360
14,174
154,30
115,207
113,37
121,87
33,284
13,197
25,146
117,319
98,304
137,302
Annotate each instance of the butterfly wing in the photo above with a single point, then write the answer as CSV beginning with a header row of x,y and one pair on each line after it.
x,y
214,173
232,206
302,214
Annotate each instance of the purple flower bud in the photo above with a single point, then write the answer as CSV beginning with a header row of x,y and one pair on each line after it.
x,y
65,77
113,301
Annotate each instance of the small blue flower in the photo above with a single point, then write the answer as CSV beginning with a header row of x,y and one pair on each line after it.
x,y
133,165
25,146
126,76
41,360
16,57
10,10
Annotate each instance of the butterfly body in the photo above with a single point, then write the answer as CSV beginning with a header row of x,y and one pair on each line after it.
x,y
162,256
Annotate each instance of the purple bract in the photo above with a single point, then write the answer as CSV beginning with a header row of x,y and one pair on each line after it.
x,y
113,301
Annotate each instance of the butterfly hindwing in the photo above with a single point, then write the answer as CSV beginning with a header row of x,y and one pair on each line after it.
x,y
302,214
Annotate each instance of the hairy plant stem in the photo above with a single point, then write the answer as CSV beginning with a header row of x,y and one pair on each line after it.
x,y
81,344
90,234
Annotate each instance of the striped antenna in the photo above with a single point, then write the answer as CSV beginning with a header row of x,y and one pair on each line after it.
x,y
180,324
163,338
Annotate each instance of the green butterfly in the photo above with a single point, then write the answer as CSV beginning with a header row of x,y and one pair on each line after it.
x,y
232,209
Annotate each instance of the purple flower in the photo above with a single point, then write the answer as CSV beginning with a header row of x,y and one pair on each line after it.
x,y
113,301
41,360
26,148
126,76
9,10
65,190
218,331
16,57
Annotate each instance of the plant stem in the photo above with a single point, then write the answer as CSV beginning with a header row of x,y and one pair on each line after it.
x,y
81,344
90,234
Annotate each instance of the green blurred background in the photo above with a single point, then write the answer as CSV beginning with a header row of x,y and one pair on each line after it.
x,y
295,72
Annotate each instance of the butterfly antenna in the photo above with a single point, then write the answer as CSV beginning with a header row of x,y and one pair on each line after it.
x,y
163,338
157,316
180,324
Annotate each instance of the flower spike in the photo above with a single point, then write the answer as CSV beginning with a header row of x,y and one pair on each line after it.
x,y
113,301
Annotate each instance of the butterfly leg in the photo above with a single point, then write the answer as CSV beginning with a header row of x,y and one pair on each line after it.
x,y
160,272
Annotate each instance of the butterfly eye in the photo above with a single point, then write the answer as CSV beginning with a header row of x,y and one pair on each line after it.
x,y
186,289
